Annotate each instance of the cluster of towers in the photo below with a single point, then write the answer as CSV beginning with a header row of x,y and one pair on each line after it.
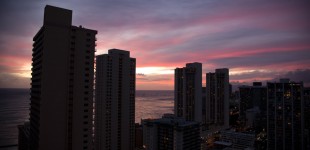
x,y
67,113
62,90
196,109
210,109
279,110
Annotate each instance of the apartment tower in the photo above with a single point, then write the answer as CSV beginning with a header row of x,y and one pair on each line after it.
x,y
253,97
187,92
115,101
307,117
217,101
285,115
62,84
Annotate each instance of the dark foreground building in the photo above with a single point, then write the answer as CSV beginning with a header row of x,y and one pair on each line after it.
x,y
253,97
307,117
61,111
23,136
285,115
171,133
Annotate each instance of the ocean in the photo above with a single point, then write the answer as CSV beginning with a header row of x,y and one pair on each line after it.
x,y
14,110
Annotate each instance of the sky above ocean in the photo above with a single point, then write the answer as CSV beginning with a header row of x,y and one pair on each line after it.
x,y
257,40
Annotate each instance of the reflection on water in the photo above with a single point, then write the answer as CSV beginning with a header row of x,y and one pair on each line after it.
x,y
14,110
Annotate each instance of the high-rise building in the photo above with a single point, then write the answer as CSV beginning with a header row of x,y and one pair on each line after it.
x,y
171,133
203,104
187,92
138,136
115,101
307,117
62,84
217,101
285,115
251,97
23,136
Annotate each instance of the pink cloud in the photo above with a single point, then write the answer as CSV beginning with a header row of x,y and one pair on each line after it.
x,y
163,34
14,63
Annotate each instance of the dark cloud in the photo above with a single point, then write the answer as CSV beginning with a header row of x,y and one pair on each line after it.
x,y
152,79
141,74
155,78
252,75
262,60
297,76
174,32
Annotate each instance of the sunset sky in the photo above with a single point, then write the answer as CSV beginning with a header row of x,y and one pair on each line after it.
x,y
257,40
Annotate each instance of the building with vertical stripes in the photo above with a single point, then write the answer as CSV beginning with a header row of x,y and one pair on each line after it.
x,y
187,92
285,128
217,101
115,101
62,84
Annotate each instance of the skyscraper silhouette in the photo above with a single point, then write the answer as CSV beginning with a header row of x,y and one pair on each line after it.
x,y
62,84
115,101
187,92
285,115
251,97
307,117
217,101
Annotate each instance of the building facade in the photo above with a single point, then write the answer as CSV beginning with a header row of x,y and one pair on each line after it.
x,y
253,97
171,133
204,106
217,101
62,84
187,92
236,140
23,136
115,101
307,117
285,115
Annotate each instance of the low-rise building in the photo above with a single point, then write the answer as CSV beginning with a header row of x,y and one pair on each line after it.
x,y
170,132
